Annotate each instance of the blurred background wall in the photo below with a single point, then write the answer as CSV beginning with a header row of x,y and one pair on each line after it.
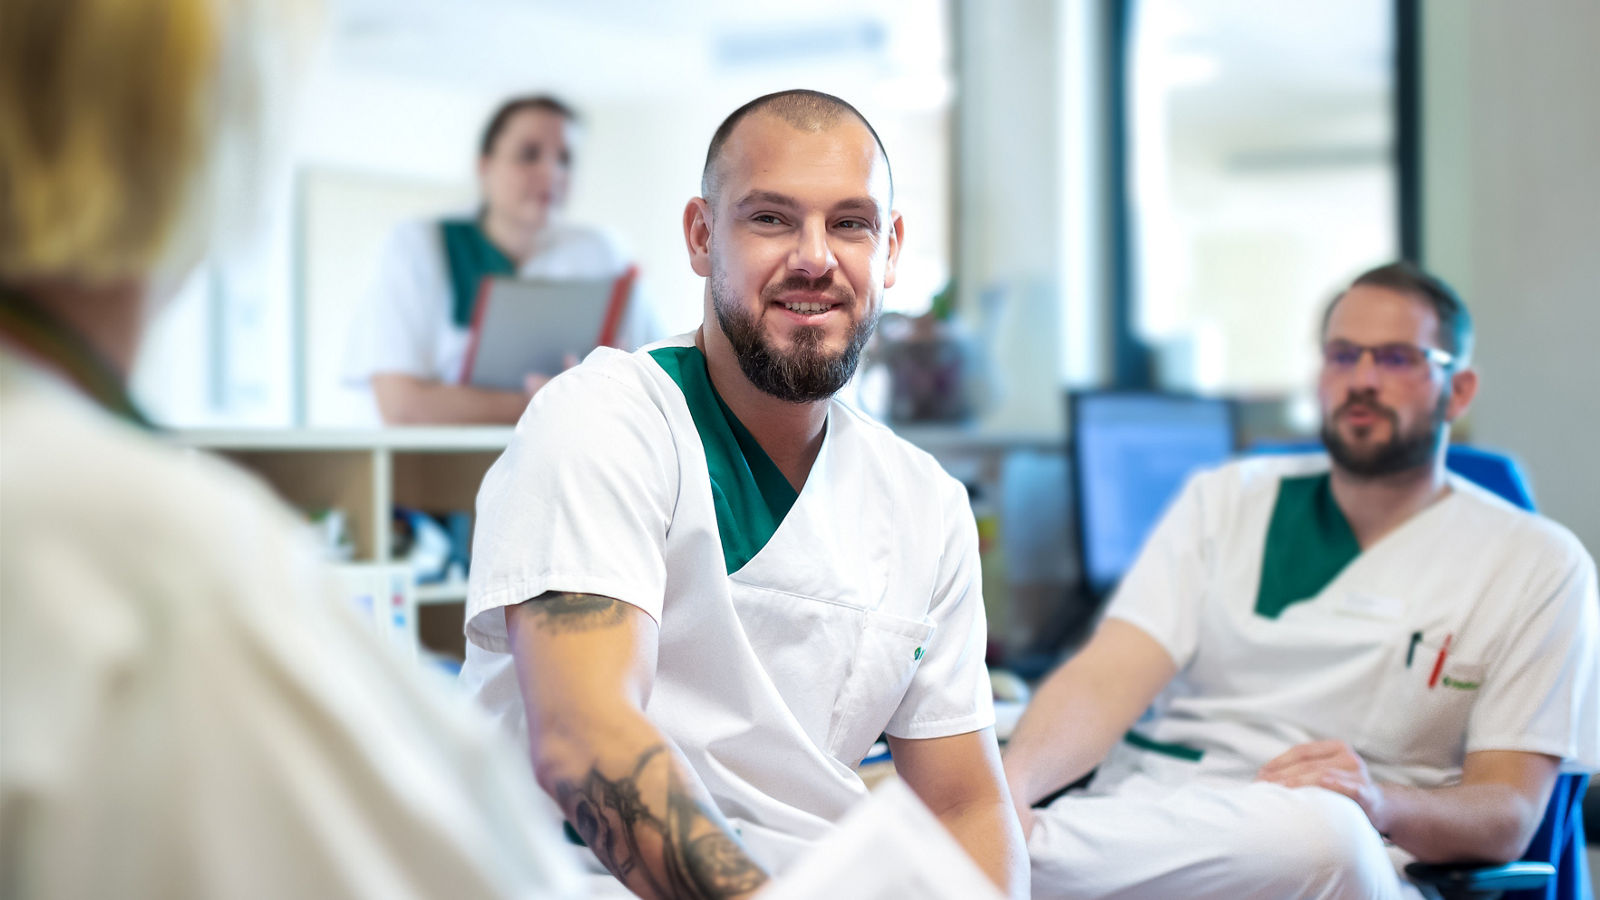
x,y
1511,215
1120,191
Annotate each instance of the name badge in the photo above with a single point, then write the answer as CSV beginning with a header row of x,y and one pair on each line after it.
x,y
1370,606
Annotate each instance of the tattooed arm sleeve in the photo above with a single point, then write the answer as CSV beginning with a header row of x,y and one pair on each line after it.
x,y
585,664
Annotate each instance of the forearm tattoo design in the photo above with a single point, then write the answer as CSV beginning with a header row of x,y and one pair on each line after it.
x,y
699,860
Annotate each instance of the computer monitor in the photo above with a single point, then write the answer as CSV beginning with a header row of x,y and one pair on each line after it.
x,y
1131,452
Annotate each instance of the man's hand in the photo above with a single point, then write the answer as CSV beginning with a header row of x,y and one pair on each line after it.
x,y
1333,765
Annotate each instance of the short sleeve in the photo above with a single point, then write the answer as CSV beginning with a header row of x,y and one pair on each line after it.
x,y
1541,694
950,693
1163,590
580,501
397,327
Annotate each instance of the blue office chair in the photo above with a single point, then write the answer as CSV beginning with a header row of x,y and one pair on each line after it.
x,y
1556,866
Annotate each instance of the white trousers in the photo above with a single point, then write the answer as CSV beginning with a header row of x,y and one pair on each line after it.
x,y
1198,840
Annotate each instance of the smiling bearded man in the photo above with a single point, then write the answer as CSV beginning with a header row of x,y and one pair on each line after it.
x,y
702,587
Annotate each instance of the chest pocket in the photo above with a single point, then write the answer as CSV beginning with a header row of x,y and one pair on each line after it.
x,y
1418,716
841,670
885,661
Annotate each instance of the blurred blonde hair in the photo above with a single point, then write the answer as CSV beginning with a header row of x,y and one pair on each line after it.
x,y
119,119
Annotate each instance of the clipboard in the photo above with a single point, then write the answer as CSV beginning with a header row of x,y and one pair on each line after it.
x,y
523,325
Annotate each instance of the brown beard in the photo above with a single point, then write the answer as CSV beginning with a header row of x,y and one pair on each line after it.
x,y
1402,452
804,374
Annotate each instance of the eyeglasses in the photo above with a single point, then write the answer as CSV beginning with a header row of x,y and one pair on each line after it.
x,y
1394,359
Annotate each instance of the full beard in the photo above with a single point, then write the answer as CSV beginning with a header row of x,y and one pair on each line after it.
x,y
1402,452
805,373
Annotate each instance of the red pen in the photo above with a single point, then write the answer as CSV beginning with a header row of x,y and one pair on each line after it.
x,y
1438,664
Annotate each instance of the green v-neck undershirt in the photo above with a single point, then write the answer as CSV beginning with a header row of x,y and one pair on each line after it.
x,y
749,492
1309,542
470,257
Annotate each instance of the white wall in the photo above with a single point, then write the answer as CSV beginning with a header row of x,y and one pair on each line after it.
x,y
1511,217
1012,228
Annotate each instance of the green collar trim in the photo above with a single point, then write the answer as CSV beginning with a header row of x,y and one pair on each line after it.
x,y
1176,751
1309,542
470,258
750,494
47,337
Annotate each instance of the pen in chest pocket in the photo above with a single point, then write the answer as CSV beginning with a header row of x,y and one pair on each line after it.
x,y
1438,664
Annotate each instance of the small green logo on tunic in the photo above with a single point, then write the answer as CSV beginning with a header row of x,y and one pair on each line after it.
x,y
918,654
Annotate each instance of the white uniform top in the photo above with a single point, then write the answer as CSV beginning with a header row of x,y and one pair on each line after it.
x,y
1514,592
405,324
862,614
188,710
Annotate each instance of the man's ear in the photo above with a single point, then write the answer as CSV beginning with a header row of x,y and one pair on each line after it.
x,y
1463,387
697,235
897,235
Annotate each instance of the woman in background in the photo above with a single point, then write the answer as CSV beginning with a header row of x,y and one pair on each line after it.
x,y
410,337
185,711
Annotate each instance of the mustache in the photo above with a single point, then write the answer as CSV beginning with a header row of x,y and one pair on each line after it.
x,y
834,292
1367,403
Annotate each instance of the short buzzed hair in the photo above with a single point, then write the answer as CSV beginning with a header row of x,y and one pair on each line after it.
x,y
1455,322
805,110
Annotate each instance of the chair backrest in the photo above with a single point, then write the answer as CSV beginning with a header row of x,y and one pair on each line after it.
x,y
1560,842
1492,471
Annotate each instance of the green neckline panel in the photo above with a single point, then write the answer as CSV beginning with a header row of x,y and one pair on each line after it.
x,y
750,494
470,257
1309,542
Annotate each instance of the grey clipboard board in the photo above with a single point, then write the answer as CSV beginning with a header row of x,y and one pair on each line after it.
x,y
523,325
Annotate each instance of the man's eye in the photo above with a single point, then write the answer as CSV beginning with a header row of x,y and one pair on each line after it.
x,y
767,219
530,155
1394,357
1343,355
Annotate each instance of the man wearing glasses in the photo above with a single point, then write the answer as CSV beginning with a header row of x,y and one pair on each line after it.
x,y
1341,648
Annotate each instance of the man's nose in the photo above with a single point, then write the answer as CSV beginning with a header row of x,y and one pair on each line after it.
x,y
812,256
1365,374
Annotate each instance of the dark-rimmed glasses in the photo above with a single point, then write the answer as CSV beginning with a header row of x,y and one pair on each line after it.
x,y
1395,358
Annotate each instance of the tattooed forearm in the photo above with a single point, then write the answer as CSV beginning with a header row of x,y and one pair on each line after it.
x,y
562,612
698,858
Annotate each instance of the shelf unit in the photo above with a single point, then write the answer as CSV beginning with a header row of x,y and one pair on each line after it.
x,y
366,473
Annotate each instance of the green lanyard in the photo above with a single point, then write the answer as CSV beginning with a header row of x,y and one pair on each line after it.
x,y
44,335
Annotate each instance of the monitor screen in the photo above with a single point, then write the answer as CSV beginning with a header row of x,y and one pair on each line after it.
x,y
1131,453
